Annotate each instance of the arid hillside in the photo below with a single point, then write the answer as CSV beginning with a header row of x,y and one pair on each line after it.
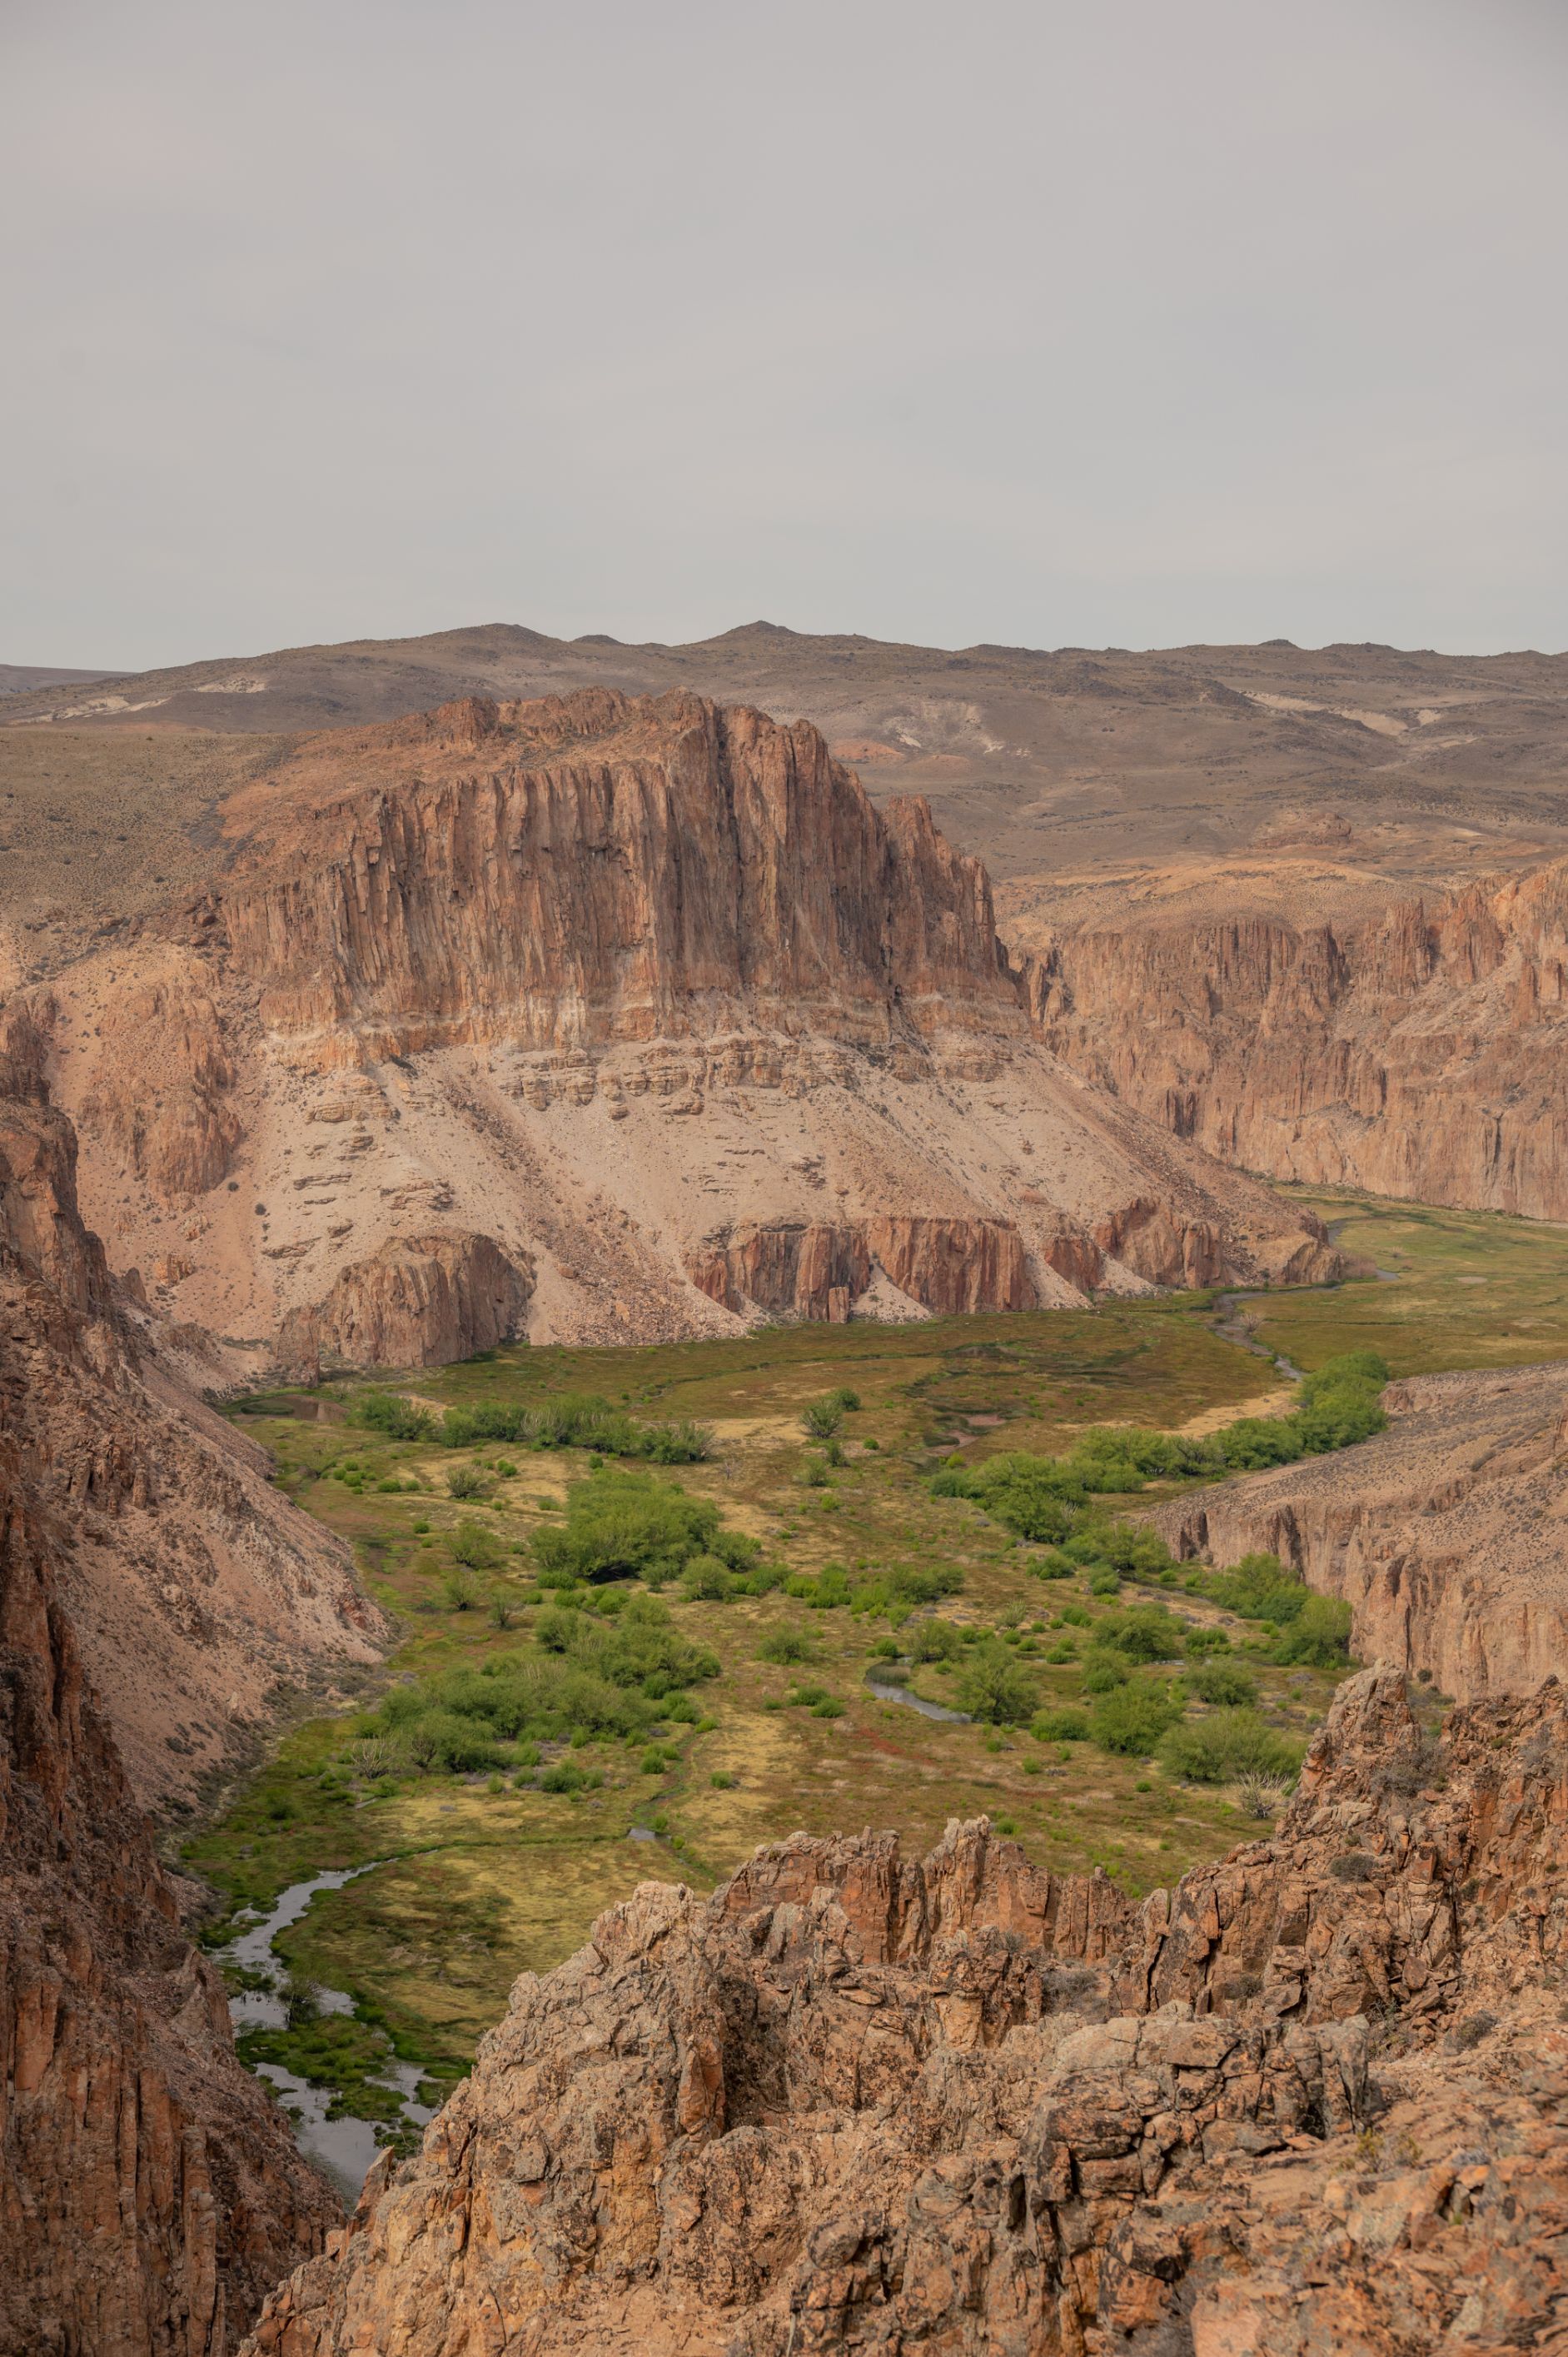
x,y
1310,2100
602,1019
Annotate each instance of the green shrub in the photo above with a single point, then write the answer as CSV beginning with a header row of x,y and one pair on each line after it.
x,y
707,1580
847,1399
1259,1588
1133,1717
459,1588
1059,1726
829,1707
722,1781
1222,1682
786,1645
1148,1633
1103,1671
822,1419
994,1687
1319,1635
475,1546
400,1419
468,1481
1199,1643
1231,1743
933,1640
619,1524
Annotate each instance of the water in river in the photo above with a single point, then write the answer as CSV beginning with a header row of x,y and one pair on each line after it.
x,y
885,1690
343,2148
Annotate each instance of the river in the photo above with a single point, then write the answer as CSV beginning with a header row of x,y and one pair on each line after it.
x,y
343,2149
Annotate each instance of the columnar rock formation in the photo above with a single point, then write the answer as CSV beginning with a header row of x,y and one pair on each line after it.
x,y
1445,1533
149,2190
613,1019
1312,2101
1419,1053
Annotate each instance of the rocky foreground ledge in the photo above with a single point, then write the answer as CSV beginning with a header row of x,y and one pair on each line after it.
x,y
1316,2100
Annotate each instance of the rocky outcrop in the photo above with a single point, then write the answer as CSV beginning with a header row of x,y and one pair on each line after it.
x,y
594,867
854,2102
420,1301
196,1594
647,993
1445,1533
160,1079
812,1271
1417,1054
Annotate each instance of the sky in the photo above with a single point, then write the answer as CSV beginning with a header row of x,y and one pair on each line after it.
x,y
1142,323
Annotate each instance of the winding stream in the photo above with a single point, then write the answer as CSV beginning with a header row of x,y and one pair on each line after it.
x,y
343,2149
885,1690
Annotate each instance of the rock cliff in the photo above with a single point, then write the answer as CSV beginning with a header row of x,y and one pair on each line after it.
x,y
641,999
149,2190
1448,1534
420,1301
196,1593
1415,1054
1314,2100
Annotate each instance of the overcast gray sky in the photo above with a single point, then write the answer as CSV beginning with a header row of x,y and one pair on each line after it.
x,y
1136,323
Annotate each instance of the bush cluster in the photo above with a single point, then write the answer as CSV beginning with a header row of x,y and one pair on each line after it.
x,y
1042,1498
617,1676
621,1525
571,1420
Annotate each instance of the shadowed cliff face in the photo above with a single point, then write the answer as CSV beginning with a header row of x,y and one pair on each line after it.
x,y
149,2190
603,1019
854,2102
1418,1054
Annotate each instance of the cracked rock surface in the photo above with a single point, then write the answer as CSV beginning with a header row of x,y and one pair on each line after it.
x,y
1312,2101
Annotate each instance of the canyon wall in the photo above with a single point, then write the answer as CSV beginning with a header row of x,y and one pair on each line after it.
x,y
856,2102
150,2191
1418,1053
198,1596
639,1002
1448,1534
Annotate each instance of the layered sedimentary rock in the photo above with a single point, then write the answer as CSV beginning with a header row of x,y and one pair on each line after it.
x,y
149,2190
644,997
420,1301
1314,2100
1417,1053
196,1594
1448,1534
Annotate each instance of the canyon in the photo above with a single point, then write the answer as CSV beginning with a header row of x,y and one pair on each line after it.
x,y
598,1019
1312,2100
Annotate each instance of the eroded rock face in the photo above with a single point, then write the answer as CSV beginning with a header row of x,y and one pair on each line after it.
x,y
149,2190
812,1271
420,1301
1445,1533
1418,1054
646,994
854,2102
193,1588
